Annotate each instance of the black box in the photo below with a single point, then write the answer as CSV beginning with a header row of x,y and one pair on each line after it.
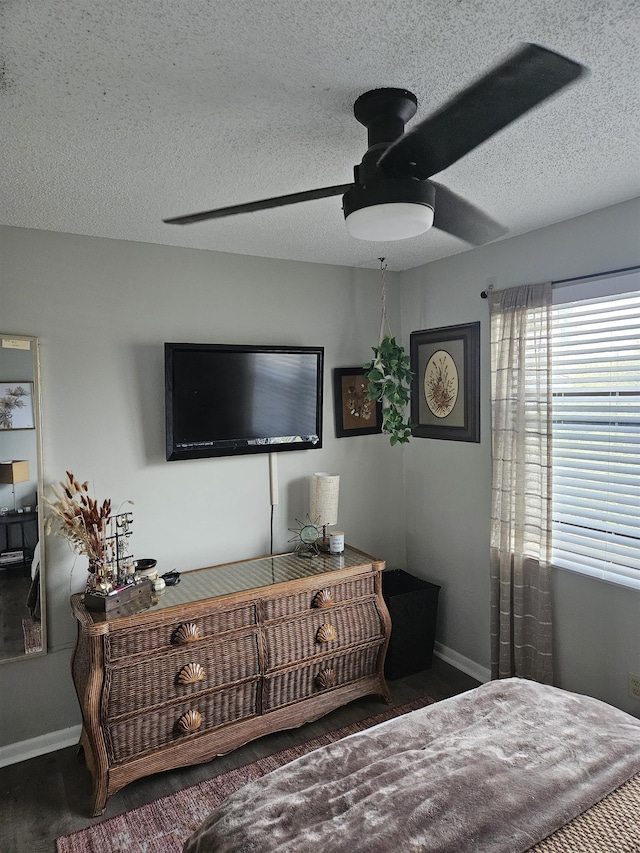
x,y
413,606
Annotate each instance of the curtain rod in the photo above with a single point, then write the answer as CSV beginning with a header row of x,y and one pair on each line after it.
x,y
485,293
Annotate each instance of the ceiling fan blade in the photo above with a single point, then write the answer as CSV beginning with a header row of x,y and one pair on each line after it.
x,y
457,216
264,204
518,84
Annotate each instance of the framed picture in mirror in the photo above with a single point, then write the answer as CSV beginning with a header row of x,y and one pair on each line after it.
x,y
16,405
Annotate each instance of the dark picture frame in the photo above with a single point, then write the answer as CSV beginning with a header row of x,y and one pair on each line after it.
x,y
445,390
355,414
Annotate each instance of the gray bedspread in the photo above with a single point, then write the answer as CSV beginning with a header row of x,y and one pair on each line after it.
x,y
495,769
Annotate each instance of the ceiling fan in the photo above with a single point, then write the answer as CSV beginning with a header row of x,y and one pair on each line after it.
x,y
392,196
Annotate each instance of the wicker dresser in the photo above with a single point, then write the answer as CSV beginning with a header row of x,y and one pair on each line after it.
x,y
232,653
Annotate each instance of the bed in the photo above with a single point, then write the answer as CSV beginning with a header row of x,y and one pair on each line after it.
x,y
510,766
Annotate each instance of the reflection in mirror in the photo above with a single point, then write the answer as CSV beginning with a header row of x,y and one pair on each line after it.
x,y
22,609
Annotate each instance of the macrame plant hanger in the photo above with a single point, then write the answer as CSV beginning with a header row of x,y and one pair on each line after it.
x,y
383,300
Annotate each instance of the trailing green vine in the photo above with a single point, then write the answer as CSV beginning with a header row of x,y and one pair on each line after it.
x,y
389,378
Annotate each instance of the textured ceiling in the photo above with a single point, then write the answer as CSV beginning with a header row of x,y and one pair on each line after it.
x,y
117,113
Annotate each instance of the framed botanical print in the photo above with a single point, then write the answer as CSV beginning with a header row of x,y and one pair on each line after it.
x,y
445,391
355,414
16,405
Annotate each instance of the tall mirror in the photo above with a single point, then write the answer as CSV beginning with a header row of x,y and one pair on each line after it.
x,y
22,608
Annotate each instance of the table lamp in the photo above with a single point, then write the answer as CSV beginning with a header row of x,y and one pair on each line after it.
x,y
324,503
14,472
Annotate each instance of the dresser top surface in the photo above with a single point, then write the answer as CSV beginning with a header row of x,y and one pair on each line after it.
x,y
243,576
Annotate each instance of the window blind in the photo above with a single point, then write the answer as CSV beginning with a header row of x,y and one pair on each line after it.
x,y
596,436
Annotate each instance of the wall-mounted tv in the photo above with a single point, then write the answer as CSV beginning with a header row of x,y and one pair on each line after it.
x,y
231,399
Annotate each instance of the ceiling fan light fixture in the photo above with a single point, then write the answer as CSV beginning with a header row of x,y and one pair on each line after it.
x,y
396,220
389,209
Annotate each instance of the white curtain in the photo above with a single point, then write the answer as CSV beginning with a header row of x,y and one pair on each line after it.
x,y
521,631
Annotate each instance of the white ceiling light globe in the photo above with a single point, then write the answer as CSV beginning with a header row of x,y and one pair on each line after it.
x,y
394,221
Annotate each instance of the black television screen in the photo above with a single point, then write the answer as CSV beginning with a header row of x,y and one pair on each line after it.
x,y
229,399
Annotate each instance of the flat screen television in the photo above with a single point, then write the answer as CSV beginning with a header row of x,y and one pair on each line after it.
x,y
230,399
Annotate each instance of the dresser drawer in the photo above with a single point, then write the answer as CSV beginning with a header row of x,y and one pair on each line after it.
x,y
319,597
160,635
292,685
180,721
190,669
315,633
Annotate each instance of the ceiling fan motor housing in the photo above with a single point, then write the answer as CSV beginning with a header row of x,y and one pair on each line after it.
x,y
384,112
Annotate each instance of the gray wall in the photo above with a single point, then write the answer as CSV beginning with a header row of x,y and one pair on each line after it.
x,y
103,308
448,483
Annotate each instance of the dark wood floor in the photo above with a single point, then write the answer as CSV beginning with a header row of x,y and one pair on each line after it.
x,y
14,588
49,796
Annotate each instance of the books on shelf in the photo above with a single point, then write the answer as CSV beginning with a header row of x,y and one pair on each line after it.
x,y
7,557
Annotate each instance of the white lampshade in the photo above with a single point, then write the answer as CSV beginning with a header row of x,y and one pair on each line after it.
x,y
324,498
16,471
395,221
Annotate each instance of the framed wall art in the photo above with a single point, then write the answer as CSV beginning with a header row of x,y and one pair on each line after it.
x,y
355,414
445,391
16,405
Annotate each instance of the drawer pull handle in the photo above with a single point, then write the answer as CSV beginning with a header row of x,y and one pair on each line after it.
x,y
190,722
188,633
326,633
324,598
326,678
191,673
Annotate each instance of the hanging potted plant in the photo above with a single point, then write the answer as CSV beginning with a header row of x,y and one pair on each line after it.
x,y
389,378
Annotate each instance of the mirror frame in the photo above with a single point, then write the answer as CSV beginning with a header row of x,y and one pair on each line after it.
x,y
37,414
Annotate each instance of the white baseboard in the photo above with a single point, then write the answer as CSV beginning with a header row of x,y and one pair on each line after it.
x,y
13,753
470,667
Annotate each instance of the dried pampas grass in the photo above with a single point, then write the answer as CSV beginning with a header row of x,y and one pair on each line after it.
x,y
80,518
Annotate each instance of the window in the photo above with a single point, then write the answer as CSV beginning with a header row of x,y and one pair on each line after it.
x,y
596,429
